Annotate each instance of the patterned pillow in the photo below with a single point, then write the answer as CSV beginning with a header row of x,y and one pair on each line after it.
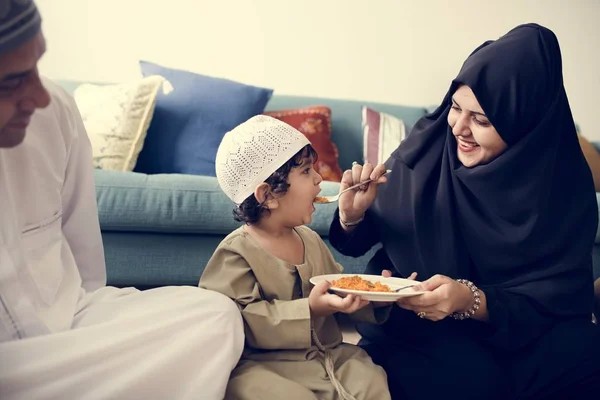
x,y
382,134
117,118
315,123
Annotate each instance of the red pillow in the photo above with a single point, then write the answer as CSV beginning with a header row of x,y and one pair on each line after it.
x,y
315,123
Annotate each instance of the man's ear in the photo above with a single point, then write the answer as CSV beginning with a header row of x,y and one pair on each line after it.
x,y
265,197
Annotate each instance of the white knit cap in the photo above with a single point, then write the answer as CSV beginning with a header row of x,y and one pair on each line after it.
x,y
253,151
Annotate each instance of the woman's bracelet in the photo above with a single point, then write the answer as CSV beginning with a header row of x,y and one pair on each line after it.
x,y
351,223
477,297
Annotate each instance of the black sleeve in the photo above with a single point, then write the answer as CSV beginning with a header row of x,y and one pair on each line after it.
x,y
514,320
520,315
356,243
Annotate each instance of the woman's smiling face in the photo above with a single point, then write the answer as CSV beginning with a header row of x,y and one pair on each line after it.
x,y
477,140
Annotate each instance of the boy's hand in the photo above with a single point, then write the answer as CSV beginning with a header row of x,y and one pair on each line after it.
x,y
322,303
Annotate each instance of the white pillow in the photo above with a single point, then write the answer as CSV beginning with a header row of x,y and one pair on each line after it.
x,y
117,118
382,134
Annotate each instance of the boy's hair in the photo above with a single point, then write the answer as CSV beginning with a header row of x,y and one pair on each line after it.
x,y
250,210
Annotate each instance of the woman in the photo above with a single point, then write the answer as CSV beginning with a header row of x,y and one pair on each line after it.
x,y
491,188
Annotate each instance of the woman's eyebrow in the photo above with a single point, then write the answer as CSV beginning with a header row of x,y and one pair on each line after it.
x,y
474,112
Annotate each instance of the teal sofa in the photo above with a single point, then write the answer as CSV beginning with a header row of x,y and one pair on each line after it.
x,y
162,229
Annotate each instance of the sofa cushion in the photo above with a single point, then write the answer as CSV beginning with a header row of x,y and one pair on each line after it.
x,y
190,122
315,123
116,118
177,203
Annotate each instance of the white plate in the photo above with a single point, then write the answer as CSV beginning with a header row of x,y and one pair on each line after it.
x,y
393,283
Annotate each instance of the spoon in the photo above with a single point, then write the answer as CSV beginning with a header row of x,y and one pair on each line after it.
x,y
404,287
331,199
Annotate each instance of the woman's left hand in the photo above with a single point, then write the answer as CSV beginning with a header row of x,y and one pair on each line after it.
x,y
386,273
444,296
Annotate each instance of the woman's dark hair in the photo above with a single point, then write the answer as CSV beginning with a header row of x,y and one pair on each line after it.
x,y
250,211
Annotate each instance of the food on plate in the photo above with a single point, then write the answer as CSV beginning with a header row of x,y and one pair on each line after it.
x,y
357,283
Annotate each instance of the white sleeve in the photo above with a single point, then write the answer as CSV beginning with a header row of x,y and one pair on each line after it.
x,y
81,227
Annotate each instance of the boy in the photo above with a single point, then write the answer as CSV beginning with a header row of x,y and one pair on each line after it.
x,y
294,346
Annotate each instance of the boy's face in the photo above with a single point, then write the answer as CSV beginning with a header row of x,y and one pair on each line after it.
x,y
296,206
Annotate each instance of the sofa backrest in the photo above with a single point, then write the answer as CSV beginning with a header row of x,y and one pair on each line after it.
x,y
346,122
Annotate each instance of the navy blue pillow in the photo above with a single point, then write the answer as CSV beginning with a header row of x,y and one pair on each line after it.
x,y
189,123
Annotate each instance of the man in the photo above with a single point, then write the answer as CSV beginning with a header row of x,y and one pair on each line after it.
x,y
63,333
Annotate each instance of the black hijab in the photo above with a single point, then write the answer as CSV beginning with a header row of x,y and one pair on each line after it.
x,y
524,222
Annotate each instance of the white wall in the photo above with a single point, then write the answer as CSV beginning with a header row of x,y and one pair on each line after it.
x,y
397,51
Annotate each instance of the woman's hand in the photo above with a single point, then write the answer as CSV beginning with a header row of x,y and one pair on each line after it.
x,y
322,303
354,204
444,296
386,273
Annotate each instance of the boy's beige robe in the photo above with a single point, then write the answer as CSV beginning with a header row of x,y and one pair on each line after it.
x,y
281,360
